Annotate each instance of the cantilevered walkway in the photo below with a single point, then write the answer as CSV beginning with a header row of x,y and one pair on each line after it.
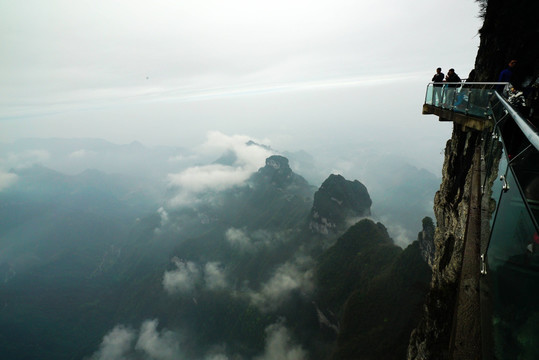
x,y
501,250
467,104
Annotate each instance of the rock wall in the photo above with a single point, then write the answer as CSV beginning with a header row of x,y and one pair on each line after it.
x,y
430,340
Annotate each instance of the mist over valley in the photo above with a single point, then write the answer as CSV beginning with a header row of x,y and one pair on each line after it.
x,y
215,252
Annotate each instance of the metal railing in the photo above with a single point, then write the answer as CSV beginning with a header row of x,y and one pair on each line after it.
x,y
470,98
528,129
511,286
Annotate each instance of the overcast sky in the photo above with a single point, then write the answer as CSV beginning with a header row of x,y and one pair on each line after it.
x,y
327,76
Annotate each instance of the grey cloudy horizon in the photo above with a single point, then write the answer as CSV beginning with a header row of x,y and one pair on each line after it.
x,y
303,74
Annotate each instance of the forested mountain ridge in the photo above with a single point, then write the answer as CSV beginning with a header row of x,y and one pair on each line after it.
x,y
238,266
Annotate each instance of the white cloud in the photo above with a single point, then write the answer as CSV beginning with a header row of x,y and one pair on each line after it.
x,y
158,346
163,214
249,156
209,177
238,239
166,223
188,276
399,234
119,344
149,343
183,279
27,158
287,278
258,240
217,177
214,276
116,344
279,345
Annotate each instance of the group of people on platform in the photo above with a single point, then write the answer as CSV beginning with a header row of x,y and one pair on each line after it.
x,y
444,86
521,91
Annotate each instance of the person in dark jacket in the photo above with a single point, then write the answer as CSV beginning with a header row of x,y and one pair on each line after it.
x,y
506,75
452,77
453,81
438,79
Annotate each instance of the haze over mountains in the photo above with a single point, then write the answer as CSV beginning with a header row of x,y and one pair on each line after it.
x,y
111,251
155,168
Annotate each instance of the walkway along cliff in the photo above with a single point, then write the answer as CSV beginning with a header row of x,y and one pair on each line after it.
x,y
482,299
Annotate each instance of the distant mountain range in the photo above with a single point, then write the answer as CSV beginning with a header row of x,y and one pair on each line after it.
x,y
93,264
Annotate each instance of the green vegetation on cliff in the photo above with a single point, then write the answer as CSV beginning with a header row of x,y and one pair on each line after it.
x,y
377,290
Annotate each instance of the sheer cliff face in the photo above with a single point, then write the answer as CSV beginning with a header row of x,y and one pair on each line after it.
x,y
431,338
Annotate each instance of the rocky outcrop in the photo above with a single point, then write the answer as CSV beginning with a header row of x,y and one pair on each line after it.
x,y
337,203
426,240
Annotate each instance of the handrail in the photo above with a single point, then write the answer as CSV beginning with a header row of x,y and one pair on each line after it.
x,y
470,83
530,131
510,249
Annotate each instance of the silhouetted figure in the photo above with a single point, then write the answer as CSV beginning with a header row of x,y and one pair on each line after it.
x,y
438,79
453,81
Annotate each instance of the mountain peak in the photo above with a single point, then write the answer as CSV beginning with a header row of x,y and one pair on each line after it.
x,y
277,162
277,172
337,201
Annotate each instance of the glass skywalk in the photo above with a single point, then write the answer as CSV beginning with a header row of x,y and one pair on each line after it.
x,y
510,252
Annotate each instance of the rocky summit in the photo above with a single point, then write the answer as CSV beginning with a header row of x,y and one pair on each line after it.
x,y
278,174
337,203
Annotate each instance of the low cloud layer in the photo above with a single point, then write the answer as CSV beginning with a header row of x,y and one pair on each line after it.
x,y
209,177
217,177
152,344
279,345
246,242
214,276
116,344
157,345
26,158
289,277
183,279
189,276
